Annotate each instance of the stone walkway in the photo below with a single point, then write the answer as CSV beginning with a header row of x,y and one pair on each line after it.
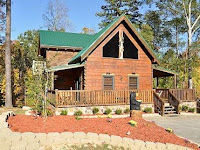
x,y
56,141
187,126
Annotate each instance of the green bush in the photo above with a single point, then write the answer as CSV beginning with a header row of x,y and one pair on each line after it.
x,y
108,111
78,113
49,112
95,110
118,111
64,112
191,110
78,118
148,110
185,108
127,110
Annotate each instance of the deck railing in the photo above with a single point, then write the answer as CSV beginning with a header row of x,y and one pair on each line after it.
x,y
98,97
159,103
180,94
184,94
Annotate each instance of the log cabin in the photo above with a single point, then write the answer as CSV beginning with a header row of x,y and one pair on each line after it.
x,y
103,68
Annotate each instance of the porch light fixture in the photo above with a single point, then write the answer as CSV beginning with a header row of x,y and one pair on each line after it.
x,y
108,73
133,72
55,77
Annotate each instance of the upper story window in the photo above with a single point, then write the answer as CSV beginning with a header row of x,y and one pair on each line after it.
x,y
108,82
130,51
111,49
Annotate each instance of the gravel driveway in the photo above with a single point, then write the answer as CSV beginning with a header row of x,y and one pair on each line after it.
x,y
187,126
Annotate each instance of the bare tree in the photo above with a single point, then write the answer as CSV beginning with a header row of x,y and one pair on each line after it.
x,y
193,24
8,55
56,16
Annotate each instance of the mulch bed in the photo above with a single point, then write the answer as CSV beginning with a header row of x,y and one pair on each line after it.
x,y
145,130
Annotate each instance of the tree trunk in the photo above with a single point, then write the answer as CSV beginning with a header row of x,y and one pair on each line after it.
x,y
177,53
189,59
8,102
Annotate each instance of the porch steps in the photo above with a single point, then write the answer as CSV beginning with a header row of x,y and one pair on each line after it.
x,y
169,109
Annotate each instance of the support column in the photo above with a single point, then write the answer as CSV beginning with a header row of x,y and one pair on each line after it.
x,y
175,81
52,80
157,79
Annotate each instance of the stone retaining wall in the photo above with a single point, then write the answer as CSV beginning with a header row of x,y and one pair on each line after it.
x,y
88,109
189,104
41,141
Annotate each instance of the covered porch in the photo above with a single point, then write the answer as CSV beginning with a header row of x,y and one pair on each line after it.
x,y
69,91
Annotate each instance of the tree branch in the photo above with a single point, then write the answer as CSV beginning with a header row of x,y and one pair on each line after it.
x,y
186,15
196,21
195,29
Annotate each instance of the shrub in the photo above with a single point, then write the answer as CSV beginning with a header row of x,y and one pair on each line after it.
x,y
49,112
133,123
64,112
148,110
95,110
118,111
185,108
191,110
127,110
78,118
108,111
78,113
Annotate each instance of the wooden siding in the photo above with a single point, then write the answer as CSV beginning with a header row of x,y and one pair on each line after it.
x,y
96,66
57,58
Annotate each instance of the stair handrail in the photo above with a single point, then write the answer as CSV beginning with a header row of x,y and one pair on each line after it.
x,y
174,102
159,102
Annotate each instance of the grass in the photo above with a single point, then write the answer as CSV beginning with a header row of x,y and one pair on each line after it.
x,y
17,111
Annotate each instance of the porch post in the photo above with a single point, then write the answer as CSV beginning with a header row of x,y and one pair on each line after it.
x,y
175,81
157,82
52,80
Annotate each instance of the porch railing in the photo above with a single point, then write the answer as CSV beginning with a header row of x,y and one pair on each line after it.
x,y
173,100
184,94
98,97
159,103
180,94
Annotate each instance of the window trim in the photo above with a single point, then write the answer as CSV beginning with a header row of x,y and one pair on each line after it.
x,y
124,33
118,32
135,75
113,81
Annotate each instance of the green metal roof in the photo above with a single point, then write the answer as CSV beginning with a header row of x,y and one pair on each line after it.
x,y
64,39
164,69
64,67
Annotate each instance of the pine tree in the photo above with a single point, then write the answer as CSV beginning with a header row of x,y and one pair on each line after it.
x,y
115,8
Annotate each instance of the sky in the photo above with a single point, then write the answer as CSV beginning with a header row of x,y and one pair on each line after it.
x,y
27,15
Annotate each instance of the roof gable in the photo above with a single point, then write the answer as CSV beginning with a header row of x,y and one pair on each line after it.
x,y
104,32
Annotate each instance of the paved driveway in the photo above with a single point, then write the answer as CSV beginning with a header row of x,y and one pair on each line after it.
x,y
185,126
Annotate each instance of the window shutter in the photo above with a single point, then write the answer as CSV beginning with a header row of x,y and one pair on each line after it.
x,y
108,82
133,83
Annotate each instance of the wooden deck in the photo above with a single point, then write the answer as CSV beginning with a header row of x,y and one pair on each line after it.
x,y
66,98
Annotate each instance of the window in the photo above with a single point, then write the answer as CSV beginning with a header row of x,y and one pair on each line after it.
x,y
108,82
130,51
133,83
111,49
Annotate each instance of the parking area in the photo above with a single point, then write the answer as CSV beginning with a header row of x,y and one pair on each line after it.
x,y
187,126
